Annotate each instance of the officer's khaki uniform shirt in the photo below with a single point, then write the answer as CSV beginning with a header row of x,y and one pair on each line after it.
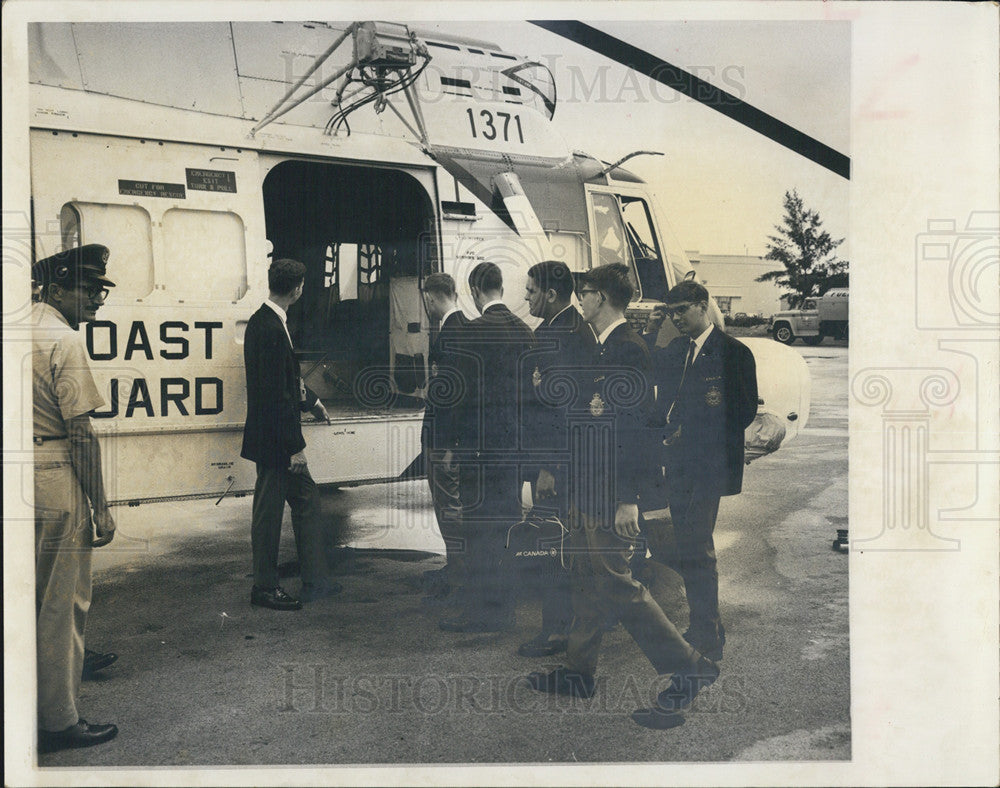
x,y
62,384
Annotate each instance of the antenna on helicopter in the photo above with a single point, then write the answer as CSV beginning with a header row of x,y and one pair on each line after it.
x,y
624,159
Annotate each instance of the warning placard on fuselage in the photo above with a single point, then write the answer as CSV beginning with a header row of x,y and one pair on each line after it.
x,y
173,191
211,180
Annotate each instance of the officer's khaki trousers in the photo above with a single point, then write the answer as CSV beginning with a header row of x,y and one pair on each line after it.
x,y
62,589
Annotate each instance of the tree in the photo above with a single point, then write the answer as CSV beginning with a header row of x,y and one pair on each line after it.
x,y
805,250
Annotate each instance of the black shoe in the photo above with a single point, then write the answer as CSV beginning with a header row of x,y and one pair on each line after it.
x,y
311,592
83,734
543,645
563,682
685,685
276,599
94,661
657,719
468,623
706,644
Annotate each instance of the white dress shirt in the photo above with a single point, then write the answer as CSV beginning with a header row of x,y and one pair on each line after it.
x,y
281,314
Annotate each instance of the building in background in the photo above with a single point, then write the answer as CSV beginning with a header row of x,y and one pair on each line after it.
x,y
731,279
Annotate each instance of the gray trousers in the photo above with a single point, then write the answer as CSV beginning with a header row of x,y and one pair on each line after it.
x,y
444,479
62,589
274,487
693,512
602,585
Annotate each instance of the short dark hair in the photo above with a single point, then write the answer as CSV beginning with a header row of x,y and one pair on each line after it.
x,y
486,277
614,281
285,275
553,275
688,290
442,284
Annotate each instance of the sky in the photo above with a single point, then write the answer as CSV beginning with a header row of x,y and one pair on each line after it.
x,y
721,184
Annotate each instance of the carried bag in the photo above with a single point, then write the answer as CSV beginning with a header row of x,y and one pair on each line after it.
x,y
536,543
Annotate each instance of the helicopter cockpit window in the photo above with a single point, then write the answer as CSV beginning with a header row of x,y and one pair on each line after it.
x,y
610,235
623,233
646,258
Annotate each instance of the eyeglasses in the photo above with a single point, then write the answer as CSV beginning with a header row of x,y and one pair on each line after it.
x,y
586,291
95,291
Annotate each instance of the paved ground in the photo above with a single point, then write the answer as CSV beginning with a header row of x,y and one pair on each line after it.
x,y
367,677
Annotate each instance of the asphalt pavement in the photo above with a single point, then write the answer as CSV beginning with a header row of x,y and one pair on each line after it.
x,y
367,677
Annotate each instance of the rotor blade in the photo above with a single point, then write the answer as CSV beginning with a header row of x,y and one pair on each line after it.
x,y
701,91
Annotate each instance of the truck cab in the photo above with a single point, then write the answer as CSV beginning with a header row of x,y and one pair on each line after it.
x,y
813,319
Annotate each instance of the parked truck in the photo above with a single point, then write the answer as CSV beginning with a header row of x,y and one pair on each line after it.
x,y
813,319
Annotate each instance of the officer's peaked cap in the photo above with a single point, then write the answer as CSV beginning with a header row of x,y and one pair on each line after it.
x,y
82,263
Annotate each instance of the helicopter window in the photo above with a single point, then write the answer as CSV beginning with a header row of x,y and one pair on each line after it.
x,y
611,237
130,264
205,255
610,230
645,251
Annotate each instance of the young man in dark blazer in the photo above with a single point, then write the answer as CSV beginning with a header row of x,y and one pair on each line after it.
x,y
565,343
608,437
272,438
499,342
445,427
707,397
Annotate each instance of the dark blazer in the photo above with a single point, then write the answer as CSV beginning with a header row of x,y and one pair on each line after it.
x,y
273,432
500,342
608,431
564,346
715,404
450,389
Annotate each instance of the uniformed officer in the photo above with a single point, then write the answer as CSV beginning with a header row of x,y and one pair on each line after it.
x,y
608,437
70,504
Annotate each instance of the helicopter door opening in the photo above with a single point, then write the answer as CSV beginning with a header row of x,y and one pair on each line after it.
x,y
366,236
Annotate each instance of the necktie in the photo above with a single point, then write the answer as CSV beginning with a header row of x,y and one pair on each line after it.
x,y
688,361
